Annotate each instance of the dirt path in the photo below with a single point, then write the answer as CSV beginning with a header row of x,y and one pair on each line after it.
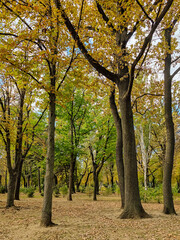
x,y
84,219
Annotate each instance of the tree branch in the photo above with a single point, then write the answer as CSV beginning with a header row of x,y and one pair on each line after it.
x,y
144,11
113,77
106,19
174,73
145,44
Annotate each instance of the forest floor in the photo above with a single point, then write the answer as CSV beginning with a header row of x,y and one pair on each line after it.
x,y
84,219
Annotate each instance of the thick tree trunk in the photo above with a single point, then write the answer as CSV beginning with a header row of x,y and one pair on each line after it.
x,y
11,189
48,188
170,139
133,207
119,146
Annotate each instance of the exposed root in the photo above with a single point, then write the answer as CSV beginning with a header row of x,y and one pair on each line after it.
x,y
134,214
170,211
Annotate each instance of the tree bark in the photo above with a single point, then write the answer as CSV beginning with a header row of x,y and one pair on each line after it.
x,y
133,207
11,189
48,188
39,179
144,157
95,178
87,179
18,182
170,138
119,146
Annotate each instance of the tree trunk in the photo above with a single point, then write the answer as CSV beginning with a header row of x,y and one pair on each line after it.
x,y
144,157
170,139
18,182
87,179
119,146
71,177
11,189
39,179
48,188
72,163
6,187
95,178
133,207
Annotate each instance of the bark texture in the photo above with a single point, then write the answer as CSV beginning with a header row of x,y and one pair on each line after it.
x,y
133,207
49,176
119,146
170,138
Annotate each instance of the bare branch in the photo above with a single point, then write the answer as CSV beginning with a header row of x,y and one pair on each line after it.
x,y
106,19
17,15
174,73
144,11
113,77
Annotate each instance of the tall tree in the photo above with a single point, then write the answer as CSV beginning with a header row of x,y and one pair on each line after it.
x,y
170,136
119,31
119,145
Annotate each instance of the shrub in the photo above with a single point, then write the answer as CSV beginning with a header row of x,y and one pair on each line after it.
x,y
64,190
2,189
30,192
56,191
151,194
106,191
89,190
82,189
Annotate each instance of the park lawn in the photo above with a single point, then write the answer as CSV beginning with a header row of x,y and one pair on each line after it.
x,y
84,219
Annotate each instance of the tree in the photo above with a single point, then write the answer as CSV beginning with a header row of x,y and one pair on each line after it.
x,y
100,150
38,32
119,32
170,136
119,146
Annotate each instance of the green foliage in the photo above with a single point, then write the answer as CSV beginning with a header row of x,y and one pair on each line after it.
x,y
89,191
106,191
64,190
151,194
82,189
2,189
28,191
56,191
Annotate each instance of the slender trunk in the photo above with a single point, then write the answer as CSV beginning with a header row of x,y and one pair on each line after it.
x,y
55,180
119,147
6,187
24,179
72,165
18,182
87,179
48,185
170,138
39,179
112,179
95,178
133,207
71,173
144,158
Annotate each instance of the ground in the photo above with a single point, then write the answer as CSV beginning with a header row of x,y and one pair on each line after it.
x,y
84,219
